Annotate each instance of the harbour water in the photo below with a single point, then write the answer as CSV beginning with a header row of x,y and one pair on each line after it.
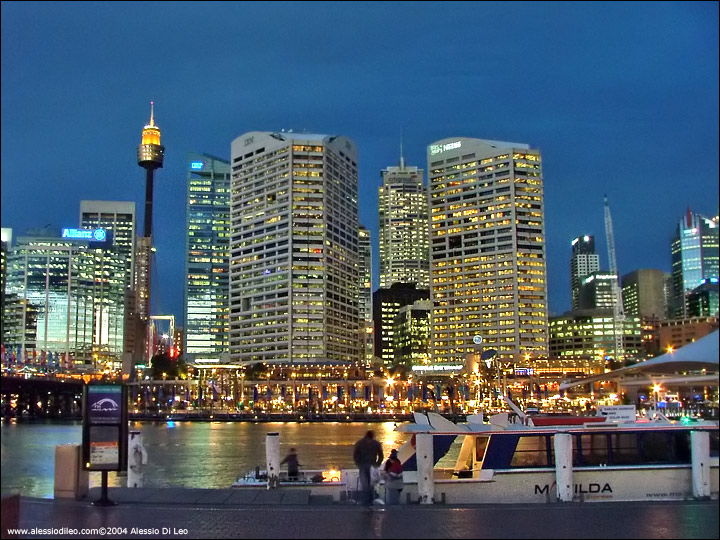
x,y
185,454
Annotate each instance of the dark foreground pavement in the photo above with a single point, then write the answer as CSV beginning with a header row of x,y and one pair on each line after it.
x,y
182,513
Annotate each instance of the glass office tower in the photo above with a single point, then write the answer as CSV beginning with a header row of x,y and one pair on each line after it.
x,y
207,254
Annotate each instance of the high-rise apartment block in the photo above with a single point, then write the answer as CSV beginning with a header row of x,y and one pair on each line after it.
x,y
294,248
487,241
694,257
584,261
403,232
207,258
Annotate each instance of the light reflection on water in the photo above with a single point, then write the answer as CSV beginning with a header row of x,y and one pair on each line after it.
x,y
186,454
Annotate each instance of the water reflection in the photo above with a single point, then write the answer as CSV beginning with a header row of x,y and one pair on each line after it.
x,y
186,454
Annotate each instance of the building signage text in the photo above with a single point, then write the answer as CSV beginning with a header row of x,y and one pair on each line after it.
x,y
437,148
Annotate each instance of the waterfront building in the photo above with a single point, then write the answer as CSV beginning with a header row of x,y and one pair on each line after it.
x,y
694,257
403,231
645,294
596,291
703,300
412,335
583,262
487,241
207,256
67,297
294,248
365,293
674,333
386,306
591,334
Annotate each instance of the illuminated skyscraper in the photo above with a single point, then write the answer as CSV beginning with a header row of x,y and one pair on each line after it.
x,y
67,297
118,219
403,233
584,262
207,254
294,248
365,293
694,257
487,241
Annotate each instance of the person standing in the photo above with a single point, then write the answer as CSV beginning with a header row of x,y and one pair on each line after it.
x,y
293,466
367,453
393,478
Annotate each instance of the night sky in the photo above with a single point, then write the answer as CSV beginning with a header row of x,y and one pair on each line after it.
x,y
620,98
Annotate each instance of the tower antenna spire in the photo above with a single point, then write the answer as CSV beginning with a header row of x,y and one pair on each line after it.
x,y
402,157
152,113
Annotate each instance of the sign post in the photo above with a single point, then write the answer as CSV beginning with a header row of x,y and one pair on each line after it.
x,y
105,436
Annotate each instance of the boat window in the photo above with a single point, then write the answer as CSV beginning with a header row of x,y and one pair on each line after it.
x,y
665,447
714,443
530,452
625,450
594,449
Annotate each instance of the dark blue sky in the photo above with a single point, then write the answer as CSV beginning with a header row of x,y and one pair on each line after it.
x,y
621,98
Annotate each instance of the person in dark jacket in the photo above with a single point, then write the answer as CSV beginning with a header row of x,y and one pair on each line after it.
x,y
293,466
367,453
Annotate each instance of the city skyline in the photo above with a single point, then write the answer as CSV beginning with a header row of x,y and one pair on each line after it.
x,y
597,89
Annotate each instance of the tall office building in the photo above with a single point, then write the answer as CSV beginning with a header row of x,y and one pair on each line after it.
x,y
365,293
207,255
584,261
694,257
403,232
6,243
118,219
386,305
294,248
487,240
412,335
596,291
645,294
67,296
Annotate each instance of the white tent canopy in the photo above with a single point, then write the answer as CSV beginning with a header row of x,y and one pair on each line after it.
x,y
698,355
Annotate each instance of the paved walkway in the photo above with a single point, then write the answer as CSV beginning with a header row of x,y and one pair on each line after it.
x,y
228,513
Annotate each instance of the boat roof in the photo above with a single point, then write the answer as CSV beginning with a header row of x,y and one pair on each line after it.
x,y
435,424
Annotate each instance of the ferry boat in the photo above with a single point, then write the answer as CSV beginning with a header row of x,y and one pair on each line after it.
x,y
513,458
541,459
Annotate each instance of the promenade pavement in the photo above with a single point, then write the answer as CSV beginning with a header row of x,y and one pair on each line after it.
x,y
250,513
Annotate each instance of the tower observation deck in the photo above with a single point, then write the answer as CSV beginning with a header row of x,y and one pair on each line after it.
x,y
150,157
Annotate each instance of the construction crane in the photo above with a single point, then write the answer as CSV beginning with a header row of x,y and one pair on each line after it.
x,y
618,312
